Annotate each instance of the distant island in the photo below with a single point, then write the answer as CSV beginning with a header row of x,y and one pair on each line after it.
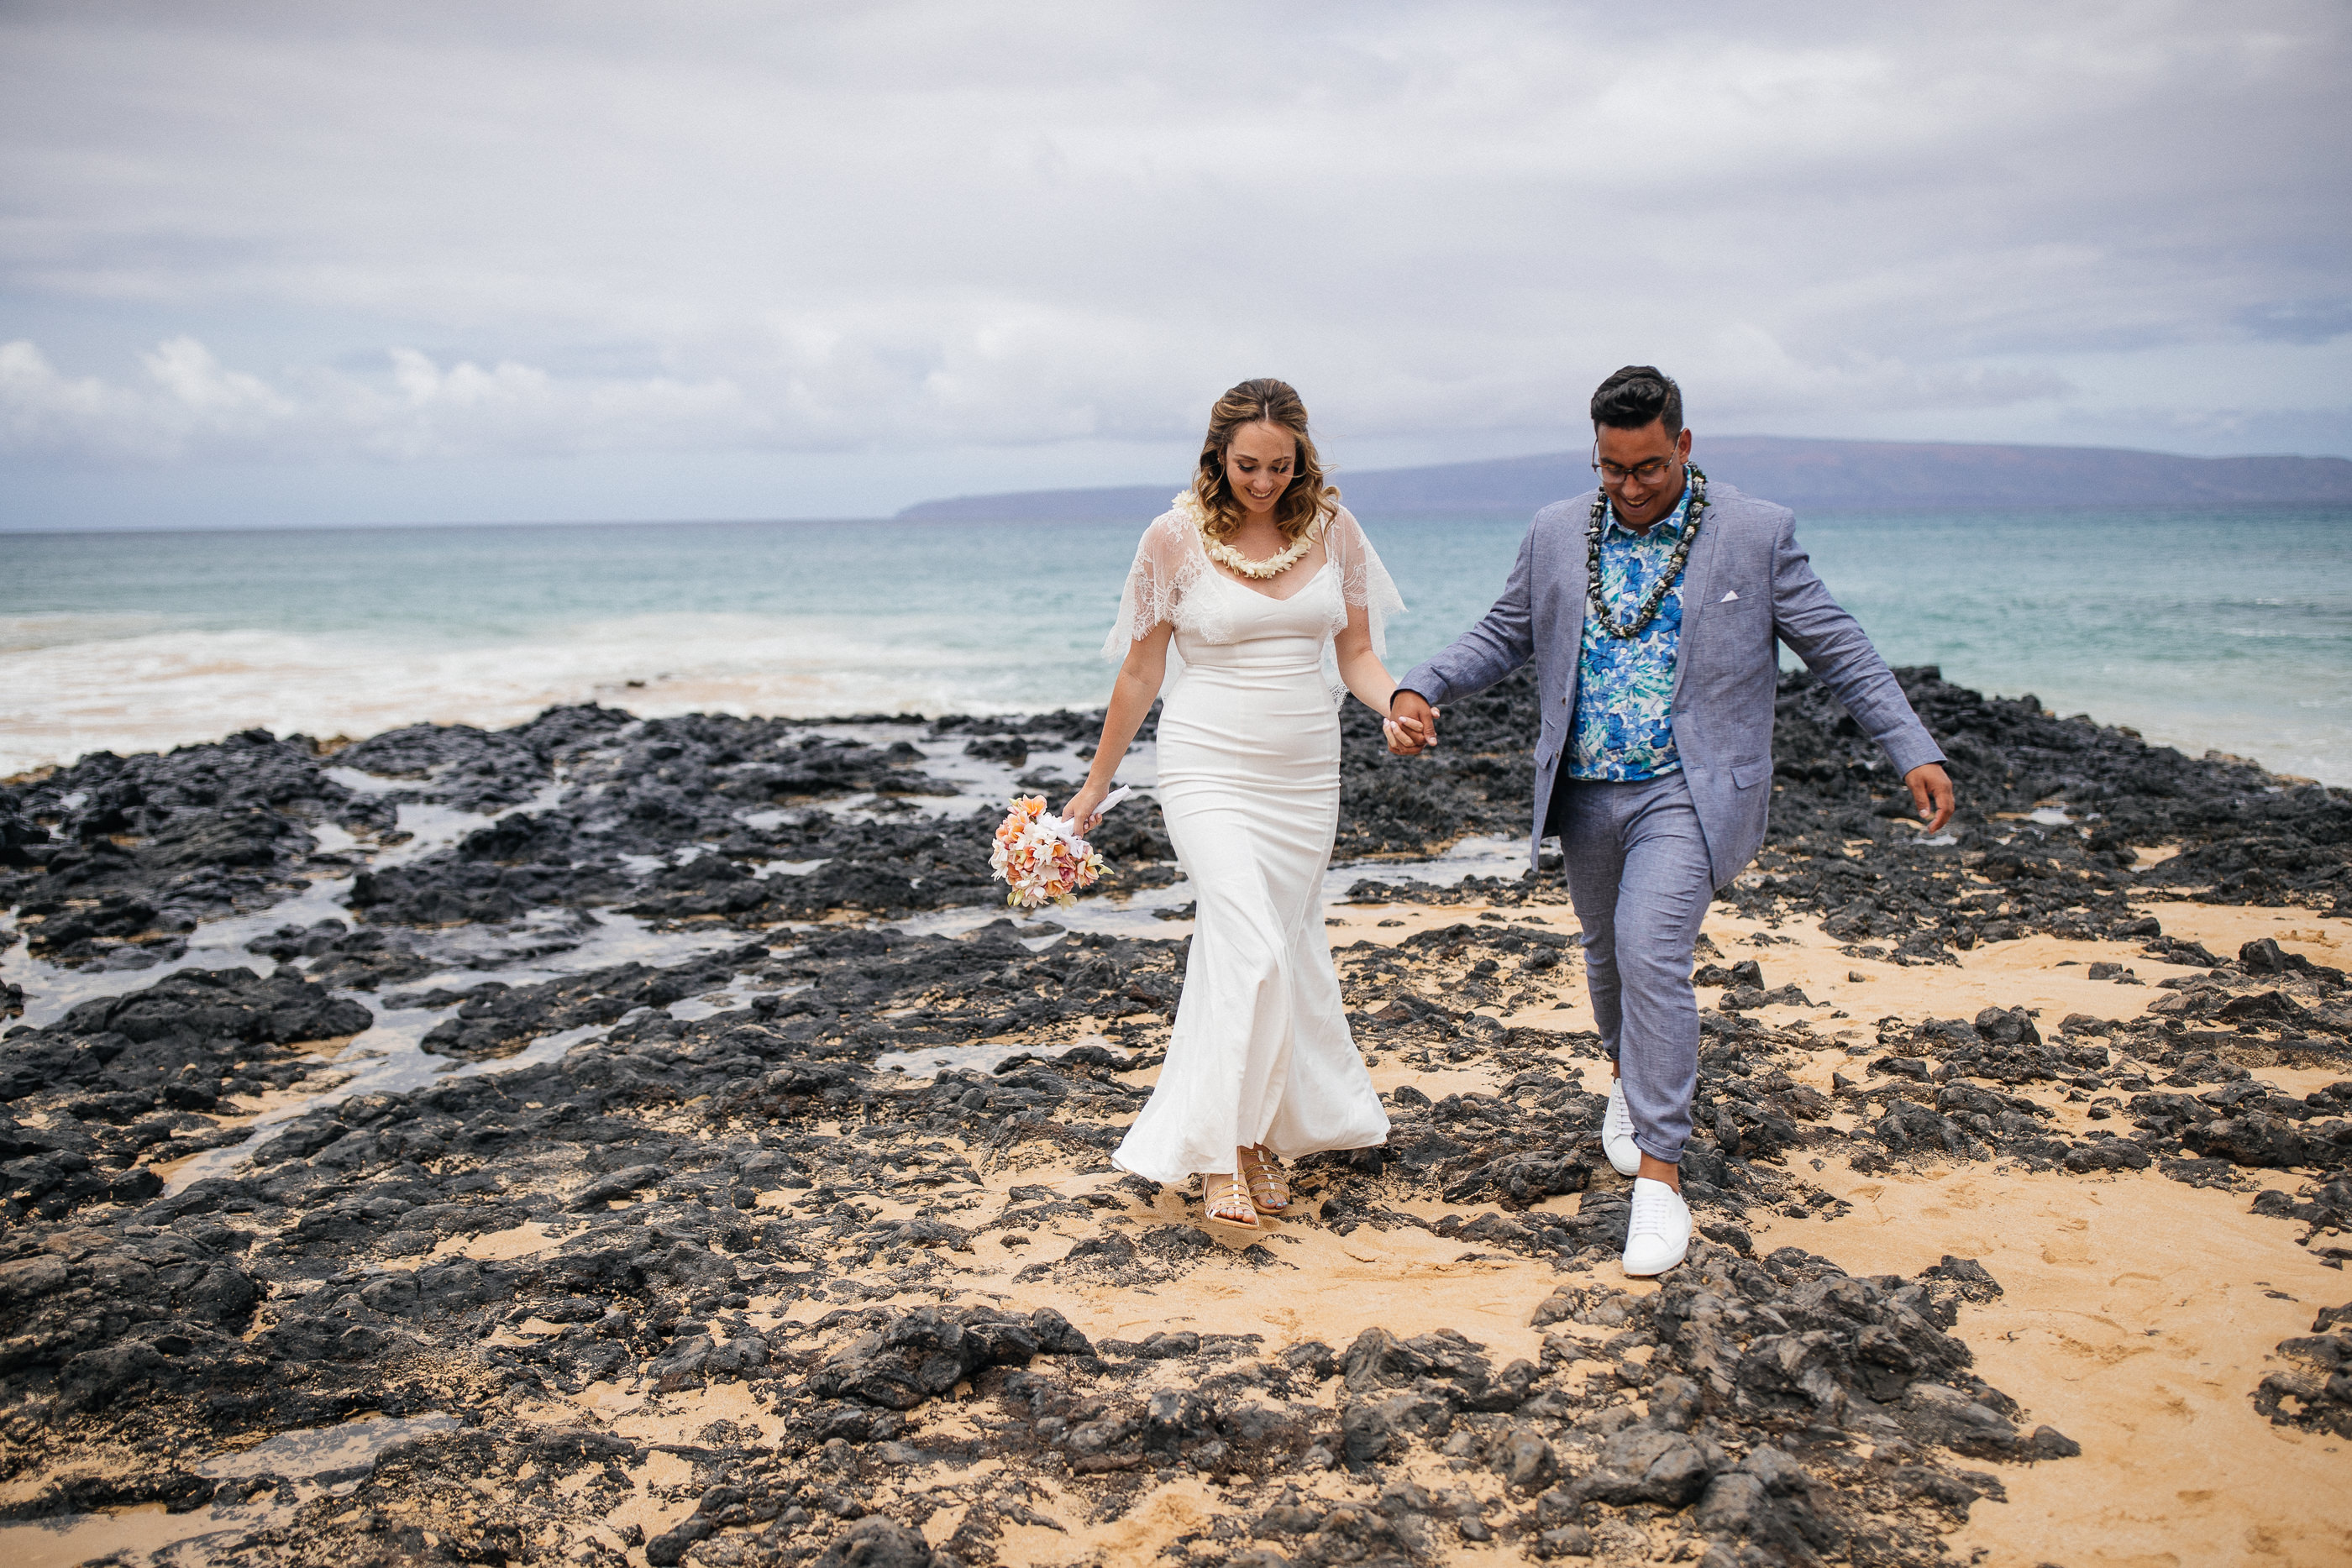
x,y
1809,475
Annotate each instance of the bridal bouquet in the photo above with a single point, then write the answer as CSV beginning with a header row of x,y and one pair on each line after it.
x,y
1042,857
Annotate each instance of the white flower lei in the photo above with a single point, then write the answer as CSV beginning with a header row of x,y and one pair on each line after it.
x,y
1227,556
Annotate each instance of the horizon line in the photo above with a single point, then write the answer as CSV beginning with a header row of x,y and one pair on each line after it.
x,y
12,529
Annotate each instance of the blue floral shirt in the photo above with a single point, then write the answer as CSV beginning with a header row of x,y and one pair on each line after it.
x,y
1624,727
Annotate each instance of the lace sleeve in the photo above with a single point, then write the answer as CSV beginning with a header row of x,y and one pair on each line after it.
x,y
1165,566
1363,580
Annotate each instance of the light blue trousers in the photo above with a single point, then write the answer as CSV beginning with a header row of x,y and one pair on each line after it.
x,y
1639,876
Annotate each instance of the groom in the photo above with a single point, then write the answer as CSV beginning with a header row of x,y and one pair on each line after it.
x,y
1655,761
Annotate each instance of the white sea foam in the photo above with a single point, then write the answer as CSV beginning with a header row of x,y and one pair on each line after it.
x,y
121,689
131,642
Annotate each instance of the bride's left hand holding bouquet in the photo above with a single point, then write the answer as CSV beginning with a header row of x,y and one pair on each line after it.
x,y
1043,858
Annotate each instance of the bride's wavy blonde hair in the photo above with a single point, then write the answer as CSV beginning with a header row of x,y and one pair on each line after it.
x,y
1270,402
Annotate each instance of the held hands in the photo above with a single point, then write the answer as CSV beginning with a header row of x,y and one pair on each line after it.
x,y
1931,791
1411,724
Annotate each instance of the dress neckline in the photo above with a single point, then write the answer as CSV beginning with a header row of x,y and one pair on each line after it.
x,y
1224,576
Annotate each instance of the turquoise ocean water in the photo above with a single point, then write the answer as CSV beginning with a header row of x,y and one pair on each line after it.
x,y
2229,631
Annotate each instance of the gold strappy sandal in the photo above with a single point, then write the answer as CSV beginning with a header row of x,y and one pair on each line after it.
x,y
1231,1208
1269,1191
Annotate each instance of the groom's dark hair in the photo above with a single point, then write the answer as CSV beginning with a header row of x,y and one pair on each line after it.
x,y
1634,396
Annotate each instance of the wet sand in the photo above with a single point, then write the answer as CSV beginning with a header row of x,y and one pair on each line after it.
x,y
764,1211
2136,1314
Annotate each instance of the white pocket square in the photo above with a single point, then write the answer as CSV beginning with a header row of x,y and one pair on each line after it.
x,y
1728,597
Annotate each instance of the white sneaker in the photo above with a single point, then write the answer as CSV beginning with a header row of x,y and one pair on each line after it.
x,y
1660,1232
1617,1132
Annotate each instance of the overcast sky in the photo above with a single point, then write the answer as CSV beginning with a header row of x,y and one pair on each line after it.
x,y
282,264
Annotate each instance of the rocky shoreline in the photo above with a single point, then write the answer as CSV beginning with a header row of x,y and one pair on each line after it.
x,y
646,1141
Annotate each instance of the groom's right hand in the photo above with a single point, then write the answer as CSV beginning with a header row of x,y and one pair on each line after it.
x,y
1412,724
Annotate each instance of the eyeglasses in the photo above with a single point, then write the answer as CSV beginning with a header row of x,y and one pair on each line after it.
x,y
1648,473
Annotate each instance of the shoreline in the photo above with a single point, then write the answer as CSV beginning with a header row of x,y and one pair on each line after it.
x,y
672,1267
2132,619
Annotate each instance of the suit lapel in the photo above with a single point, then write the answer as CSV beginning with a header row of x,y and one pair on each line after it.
x,y
1571,575
1698,592
1572,601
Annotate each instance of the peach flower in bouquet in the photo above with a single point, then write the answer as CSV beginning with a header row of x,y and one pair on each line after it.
x,y
1043,858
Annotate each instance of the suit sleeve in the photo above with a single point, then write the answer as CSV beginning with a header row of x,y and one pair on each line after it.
x,y
1836,650
1501,642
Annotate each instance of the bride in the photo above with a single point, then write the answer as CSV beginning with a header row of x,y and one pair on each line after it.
x,y
1272,601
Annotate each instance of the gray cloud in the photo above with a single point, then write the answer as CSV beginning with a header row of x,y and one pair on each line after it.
x,y
439,233
2299,321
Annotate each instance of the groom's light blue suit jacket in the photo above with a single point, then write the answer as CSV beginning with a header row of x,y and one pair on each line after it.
x,y
1748,586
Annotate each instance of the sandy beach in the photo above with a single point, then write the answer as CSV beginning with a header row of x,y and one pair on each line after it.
x,y
536,1192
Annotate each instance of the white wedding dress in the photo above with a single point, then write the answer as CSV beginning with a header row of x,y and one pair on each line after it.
x,y
1249,783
